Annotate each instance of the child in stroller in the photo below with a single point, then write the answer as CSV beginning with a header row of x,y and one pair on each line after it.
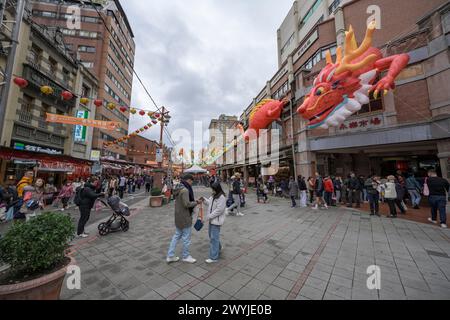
x,y
117,222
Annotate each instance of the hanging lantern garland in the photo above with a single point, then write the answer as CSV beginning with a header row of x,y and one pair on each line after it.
x,y
127,137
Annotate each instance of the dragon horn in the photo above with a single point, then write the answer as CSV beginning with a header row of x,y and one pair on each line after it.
x,y
351,54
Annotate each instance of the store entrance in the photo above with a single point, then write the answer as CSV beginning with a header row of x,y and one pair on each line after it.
x,y
419,165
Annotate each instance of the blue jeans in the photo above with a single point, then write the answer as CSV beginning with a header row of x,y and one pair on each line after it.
x,y
438,203
185,236
215,246
374,201
415,197
10,214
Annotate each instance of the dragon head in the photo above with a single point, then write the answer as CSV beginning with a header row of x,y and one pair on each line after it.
x,y
339,90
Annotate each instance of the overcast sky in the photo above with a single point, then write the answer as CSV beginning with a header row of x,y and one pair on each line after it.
x,y
202,58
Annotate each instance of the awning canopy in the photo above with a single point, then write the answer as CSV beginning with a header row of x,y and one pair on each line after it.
x,y
195,170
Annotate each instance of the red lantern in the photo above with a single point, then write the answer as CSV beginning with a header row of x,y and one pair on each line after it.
x,y
146,128
155,122
157,115
142,113
123,109
22,83
66,95
137,131
98,103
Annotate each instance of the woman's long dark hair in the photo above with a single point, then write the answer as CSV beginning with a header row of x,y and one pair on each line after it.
x,y
218,191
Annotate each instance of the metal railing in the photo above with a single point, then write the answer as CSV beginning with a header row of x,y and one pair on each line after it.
x,y
25,116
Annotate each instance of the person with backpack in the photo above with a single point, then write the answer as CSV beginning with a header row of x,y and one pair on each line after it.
x,y
85,199
319,190
414,189
27,180
373,186
236,191
354,191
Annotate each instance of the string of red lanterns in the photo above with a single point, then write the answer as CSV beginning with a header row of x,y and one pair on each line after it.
x,y
67,95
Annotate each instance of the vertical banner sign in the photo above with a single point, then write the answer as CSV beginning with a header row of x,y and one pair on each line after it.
x,y
159,155
80,131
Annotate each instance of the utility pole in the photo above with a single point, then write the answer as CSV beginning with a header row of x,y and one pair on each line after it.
x,y
20,8
160,164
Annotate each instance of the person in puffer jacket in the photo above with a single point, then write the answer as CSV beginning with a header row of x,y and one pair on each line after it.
x,y
216,217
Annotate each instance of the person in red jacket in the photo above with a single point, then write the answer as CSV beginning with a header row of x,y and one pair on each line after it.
x,y
329,190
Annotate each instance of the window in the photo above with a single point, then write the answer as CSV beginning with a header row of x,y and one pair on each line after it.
x,y
373,106
85,91
310,12
319,56
288,43
53,66
334,6
87,64
66,75
69,32
87,49
446,22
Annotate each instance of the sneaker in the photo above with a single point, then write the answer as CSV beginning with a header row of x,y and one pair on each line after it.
x,y
83,235
172,259
432,221
326,207
443,226
239,214
189,260
315,207
210,261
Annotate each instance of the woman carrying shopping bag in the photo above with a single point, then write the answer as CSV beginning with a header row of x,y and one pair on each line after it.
x,y
215,215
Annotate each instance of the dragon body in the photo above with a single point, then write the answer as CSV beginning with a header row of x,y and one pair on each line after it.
x,y
342,87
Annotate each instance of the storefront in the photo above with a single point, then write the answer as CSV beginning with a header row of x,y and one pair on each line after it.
x,y
15,162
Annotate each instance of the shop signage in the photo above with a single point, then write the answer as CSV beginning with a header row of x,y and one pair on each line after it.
x,y
106,125
308,43
56,166
33,148
159,155
80,131
95,155
362,124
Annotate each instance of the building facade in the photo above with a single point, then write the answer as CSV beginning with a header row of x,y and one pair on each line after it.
x,y
406,130
104,44
142,151
218,133
43,60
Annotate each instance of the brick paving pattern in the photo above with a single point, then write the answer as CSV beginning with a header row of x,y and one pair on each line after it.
x,y
273,252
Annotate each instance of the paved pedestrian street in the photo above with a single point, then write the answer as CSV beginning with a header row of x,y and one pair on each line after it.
x,y
274,252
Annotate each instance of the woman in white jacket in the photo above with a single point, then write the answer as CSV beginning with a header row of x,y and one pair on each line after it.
x,y
216,217
390,194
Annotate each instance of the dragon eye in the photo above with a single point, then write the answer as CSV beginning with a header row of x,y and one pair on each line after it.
x,y
320,91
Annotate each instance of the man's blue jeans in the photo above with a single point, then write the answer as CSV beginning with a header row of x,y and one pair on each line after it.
x,y
215,246
185,236
415,197
438,203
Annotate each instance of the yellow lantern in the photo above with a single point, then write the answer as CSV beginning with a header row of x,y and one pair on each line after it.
x,y
84,101
151,114
111,106
46,90
133,111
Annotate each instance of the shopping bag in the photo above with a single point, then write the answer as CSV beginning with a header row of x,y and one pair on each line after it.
x,y
199,224
98,206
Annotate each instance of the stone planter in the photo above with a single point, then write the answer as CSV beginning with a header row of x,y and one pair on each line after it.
x,y
47,287
156,202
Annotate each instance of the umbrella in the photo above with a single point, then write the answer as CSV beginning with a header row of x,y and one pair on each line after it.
x,y
195,170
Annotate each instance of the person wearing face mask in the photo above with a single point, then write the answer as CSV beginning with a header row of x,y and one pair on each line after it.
x,y
216,205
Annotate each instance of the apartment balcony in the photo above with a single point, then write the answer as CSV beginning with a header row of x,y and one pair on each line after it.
x,y
25,117
38,78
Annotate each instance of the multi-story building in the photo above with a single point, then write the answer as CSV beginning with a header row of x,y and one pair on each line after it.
x,y
218,130
301,19
42,59
104,44
407,130
142,151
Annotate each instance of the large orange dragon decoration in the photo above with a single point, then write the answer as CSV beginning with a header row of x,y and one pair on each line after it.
x,y
341,88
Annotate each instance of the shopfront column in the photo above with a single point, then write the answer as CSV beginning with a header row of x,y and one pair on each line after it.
x,y
444,157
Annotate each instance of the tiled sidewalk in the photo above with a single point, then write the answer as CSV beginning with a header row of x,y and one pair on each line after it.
x,y
274,252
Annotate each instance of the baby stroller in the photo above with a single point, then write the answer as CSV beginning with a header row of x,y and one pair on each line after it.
x,y
117,222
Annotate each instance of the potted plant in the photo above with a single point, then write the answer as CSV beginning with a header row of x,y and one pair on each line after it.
x,y
36,254
156,200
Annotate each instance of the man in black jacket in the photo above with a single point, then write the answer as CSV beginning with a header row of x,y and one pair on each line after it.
x,y
354,191
439,188
88,196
